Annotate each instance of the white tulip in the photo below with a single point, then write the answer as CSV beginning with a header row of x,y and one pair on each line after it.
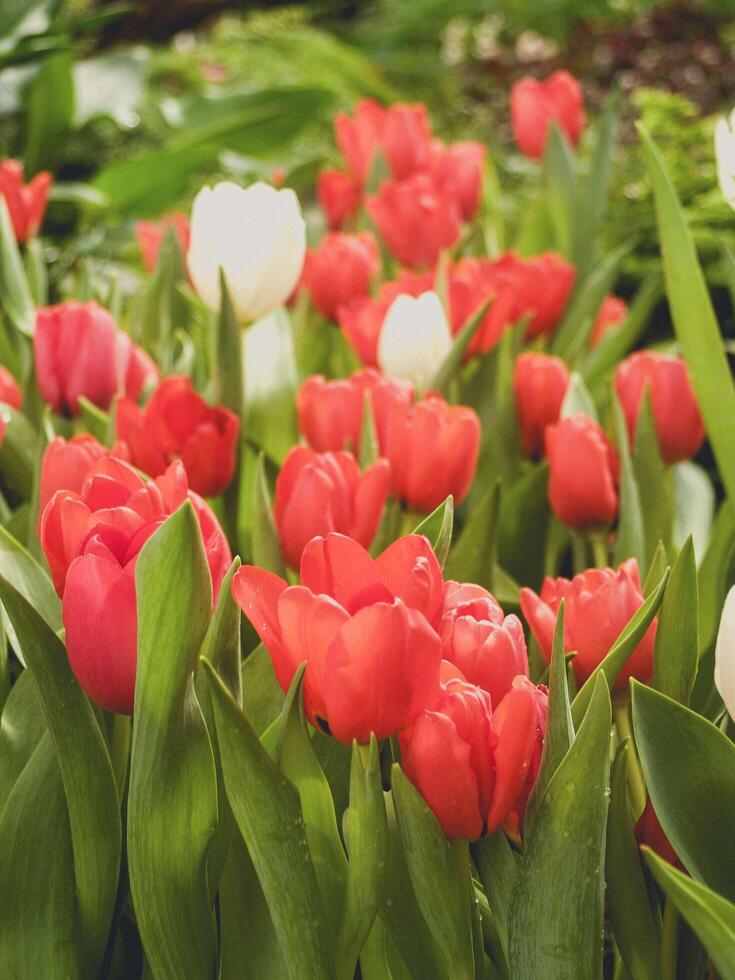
x,y
725,155
256,236
414,339
725,654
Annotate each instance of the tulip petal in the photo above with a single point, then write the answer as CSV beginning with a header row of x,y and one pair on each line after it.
x,y
257,591
409,568
337,566
514,723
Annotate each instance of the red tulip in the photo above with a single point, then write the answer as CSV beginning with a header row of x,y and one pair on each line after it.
x,y
151,234
583,473
406,139
432,447
363,628
331,412
415,219
317,493
474,767
80,352
178,424
458,170
472,282
487,647
648,831
340,269
10,392
540,383
679,425
543,285
536,105
92,540
598,605
26,203
359,137
610,315
339,195
67,463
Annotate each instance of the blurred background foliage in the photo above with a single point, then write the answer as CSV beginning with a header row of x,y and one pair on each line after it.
x,y
134,105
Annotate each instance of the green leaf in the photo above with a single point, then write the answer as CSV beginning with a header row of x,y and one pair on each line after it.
x,y
578,399
453,361
35,266
95,420
560,173
710,915
637,933
271,383
694,506
436,868
497,866
86,773
369,448
262,696
474,556
21,729
689,766
597,186
654,479
630,541
437,527
565,859
15,293
49,109
694,319
265,544
367,844
268,812
172,797
677,637
630,636
24,573
524,522
17,452
659,564
163,309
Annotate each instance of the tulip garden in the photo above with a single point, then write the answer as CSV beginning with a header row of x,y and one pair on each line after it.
x,y
366,539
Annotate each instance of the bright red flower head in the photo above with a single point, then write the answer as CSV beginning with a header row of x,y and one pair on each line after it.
x,y
415,219
178,424
151,234
364,628
340,269
543,285
598,605
359,137
66,464
535,105
472,282
80,352
339,195
26,203
540,383
406,139
679,425
611,314
331,412
317,493
583,473
91,540
458,170
485,645
10,392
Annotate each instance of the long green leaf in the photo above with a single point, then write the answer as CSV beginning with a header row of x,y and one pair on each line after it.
x,y
677,636
630,541
437,527
15,293
50,106
474,557
265,544
451,364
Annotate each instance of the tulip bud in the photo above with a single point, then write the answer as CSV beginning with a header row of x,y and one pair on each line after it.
x,y
359,137
458,170
536,105
611,314
406,139
178,424
488,648
26,203
321,492
339,195
679,426
415,219
583,473
340,269
256,237
80,352
372,657
725,157
10,393
540,383
151,235
598,605
414,339
725,654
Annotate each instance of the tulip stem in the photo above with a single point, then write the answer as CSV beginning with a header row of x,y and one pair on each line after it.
x,y
579,553
669,941
636,783
600,555
119,746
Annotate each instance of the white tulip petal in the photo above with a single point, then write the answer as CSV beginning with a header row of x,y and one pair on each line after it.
x,y
725,156
414,339
725,654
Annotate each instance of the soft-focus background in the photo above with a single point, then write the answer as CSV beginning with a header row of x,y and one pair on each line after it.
x,y
134,105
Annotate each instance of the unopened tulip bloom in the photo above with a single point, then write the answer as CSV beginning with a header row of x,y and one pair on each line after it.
x,y
359,137
583,473
414,339
540,383
10,393
611,314
331,412
725,654
536,105
178,424
485,645
92,540
415,219
151,235
679,425
80,352
66,463
406,139
432,447
340,269
339,195
26,203
363,627
725,157
321,492
598,605
256,236
458,170
543,285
